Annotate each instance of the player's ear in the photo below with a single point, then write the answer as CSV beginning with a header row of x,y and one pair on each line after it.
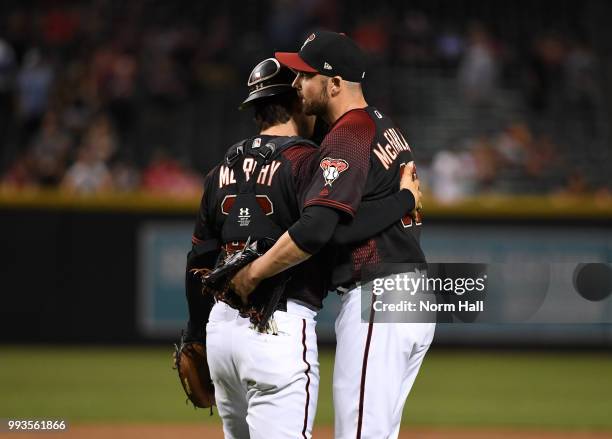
x,y
334,84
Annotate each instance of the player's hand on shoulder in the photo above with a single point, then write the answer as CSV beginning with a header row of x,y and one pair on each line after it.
x,y
410,181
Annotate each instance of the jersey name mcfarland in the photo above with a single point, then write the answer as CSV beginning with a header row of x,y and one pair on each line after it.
x,y
389,152
265,176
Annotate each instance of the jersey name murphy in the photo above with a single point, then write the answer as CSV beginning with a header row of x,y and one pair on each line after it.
x,y
265,176
389,152
278,196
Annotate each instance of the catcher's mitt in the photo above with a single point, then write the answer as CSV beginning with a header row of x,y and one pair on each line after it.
x,y
217,282
191,363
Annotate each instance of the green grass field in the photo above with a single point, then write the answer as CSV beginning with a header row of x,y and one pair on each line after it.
x,y
469,389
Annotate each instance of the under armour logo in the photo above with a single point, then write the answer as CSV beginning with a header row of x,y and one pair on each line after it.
x,y
327,66
244,218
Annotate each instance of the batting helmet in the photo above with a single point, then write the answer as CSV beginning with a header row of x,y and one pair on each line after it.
x,y
267,79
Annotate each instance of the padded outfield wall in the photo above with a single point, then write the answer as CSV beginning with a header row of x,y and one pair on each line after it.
x,y
111,270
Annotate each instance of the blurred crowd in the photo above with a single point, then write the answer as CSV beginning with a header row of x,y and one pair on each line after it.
x,y
555,141
104,95
514,160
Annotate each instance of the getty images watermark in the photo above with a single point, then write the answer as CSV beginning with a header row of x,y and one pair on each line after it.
x,y
409,293
509,292
407,283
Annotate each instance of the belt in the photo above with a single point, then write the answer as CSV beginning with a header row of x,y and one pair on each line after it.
x,y
282,305
288,306
345,288
233,247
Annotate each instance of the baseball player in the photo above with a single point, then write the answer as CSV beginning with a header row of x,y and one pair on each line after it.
x,y
360,159
266,383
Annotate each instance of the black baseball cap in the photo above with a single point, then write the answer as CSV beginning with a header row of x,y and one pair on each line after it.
x,y
329,54
267,79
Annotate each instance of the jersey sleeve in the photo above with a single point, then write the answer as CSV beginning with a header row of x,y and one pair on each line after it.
x,y
303,159
343,164
368,221
204,229
203,254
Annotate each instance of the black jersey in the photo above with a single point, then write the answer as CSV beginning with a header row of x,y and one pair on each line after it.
x,y
362,158
279,191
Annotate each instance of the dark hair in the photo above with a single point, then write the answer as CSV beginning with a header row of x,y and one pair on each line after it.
x,y
274,110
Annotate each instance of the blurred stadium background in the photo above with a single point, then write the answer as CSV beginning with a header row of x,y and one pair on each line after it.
x,y
112,111
496,98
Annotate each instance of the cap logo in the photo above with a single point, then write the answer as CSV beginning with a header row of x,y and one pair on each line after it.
x,y
326,66
308,40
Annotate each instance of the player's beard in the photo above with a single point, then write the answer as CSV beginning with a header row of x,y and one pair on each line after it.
x,y
305,124
317,106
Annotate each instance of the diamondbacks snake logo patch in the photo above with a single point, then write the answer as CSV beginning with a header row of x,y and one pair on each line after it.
x,y
332,168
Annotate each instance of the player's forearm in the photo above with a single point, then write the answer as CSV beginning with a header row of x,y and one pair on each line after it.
x,y
375,216
202,255
315,228
306,237
283,255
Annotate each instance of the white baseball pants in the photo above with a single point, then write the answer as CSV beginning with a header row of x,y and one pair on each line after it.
x,y
266,386
375,367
